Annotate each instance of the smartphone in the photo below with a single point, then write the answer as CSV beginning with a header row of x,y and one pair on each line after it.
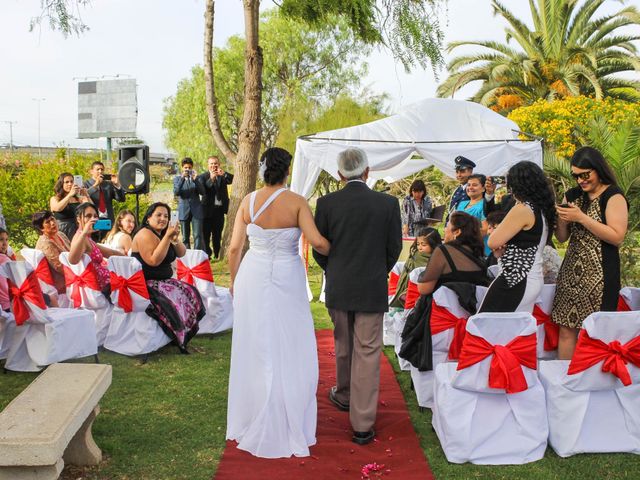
x,y
77,180
102,224
564,205
106,177
498,180
174,218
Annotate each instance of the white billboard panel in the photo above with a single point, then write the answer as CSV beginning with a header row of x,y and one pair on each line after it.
x,y
107,108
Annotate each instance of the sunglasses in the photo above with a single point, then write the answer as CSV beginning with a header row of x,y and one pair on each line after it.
x,y
582,176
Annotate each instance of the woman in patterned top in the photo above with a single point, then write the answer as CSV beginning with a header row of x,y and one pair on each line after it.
x,y
415,207
519,240
593,216
86,216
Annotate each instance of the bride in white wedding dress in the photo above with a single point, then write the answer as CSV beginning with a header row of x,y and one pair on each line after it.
x,y
274,365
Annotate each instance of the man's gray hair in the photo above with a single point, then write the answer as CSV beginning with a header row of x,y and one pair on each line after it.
x,y
352,163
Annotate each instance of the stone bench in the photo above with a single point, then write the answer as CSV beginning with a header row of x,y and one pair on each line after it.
x,y
49,423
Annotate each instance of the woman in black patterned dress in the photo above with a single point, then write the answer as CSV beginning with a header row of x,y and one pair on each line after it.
x,y
595,222
519,240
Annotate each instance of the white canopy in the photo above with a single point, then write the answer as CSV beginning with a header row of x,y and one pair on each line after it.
x,y
436,129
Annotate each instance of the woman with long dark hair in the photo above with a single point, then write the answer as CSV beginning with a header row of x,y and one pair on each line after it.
x,y
68,196
519,240
458,259
416,207
175,305
594,218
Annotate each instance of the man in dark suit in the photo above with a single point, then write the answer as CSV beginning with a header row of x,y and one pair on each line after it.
x,y
103,191
189,206
215,203
364,229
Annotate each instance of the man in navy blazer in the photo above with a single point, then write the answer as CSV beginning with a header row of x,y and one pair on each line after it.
x,y
365,232
189,207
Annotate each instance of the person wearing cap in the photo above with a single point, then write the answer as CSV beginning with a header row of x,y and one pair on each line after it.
x,y
464,168
364,229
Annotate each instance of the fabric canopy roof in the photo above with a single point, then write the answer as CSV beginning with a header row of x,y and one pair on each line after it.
x,y
436,129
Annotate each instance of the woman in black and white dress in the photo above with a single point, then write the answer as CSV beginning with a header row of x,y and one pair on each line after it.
x,y
519,240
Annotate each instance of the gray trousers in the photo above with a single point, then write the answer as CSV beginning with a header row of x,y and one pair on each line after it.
x,y
358,343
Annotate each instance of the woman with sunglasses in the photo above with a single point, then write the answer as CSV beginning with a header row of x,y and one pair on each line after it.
x,y
593,216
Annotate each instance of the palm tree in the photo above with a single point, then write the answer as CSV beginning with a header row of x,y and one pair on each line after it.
x,y
568,52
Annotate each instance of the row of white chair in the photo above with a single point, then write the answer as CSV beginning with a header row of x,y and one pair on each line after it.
x,y
121,326
515,443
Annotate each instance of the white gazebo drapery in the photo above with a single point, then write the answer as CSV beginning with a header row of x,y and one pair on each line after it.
x,y
438,130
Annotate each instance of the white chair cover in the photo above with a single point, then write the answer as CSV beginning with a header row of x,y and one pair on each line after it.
x,y
217,300
132,332
388,320
545,304
493,271
423,381
7,328
38,261
48,335
483,425
631,297
90,299
401,319
591,411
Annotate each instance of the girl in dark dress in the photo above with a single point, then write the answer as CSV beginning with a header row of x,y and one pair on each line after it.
x,y
459,259
519,240
176,305
594,217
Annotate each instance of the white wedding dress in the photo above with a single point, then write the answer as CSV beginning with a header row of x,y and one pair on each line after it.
x,y
274,365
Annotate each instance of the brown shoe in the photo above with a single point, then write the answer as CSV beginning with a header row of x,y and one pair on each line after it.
x,y
339,405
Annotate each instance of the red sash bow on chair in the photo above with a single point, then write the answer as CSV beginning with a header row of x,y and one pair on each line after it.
x,y
551,330
441,320
88,279
29,291
43,272
590,351
412,296
135,283
623,306
201,270
393,283
506,365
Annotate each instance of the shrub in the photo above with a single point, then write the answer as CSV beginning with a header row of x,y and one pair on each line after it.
x,y
558,120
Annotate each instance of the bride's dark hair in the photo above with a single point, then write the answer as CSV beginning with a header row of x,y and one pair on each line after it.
x,y
275,164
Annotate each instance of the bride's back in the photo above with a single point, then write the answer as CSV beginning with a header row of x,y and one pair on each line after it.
x,y
282,212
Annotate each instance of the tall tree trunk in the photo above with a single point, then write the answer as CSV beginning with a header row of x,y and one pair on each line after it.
x,y
210,91
245,161
249,136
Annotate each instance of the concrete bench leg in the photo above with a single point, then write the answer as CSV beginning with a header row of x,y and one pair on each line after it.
x,y
46,472
82,450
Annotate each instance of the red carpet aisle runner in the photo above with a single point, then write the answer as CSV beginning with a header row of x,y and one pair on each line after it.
x,y
335,456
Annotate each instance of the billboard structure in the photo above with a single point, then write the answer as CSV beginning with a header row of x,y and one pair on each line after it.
x,y
107,108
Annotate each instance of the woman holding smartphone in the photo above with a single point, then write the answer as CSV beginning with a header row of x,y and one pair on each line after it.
x,y
593,216
86,217
175,305
68,195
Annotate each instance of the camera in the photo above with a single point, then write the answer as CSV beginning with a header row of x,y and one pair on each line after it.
x,y
498,180
106,177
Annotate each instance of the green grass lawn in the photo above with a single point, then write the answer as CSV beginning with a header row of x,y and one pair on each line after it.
x,y
166,419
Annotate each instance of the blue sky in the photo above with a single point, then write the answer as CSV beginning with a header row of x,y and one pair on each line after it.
x,y
157,42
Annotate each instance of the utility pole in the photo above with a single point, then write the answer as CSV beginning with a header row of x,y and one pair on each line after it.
x,y
39,100
10,122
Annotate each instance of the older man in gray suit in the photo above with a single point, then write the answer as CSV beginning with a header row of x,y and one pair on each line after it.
x,y
364,229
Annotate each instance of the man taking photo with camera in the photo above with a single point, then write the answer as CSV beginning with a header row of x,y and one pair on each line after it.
x,y
103,189
213,185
